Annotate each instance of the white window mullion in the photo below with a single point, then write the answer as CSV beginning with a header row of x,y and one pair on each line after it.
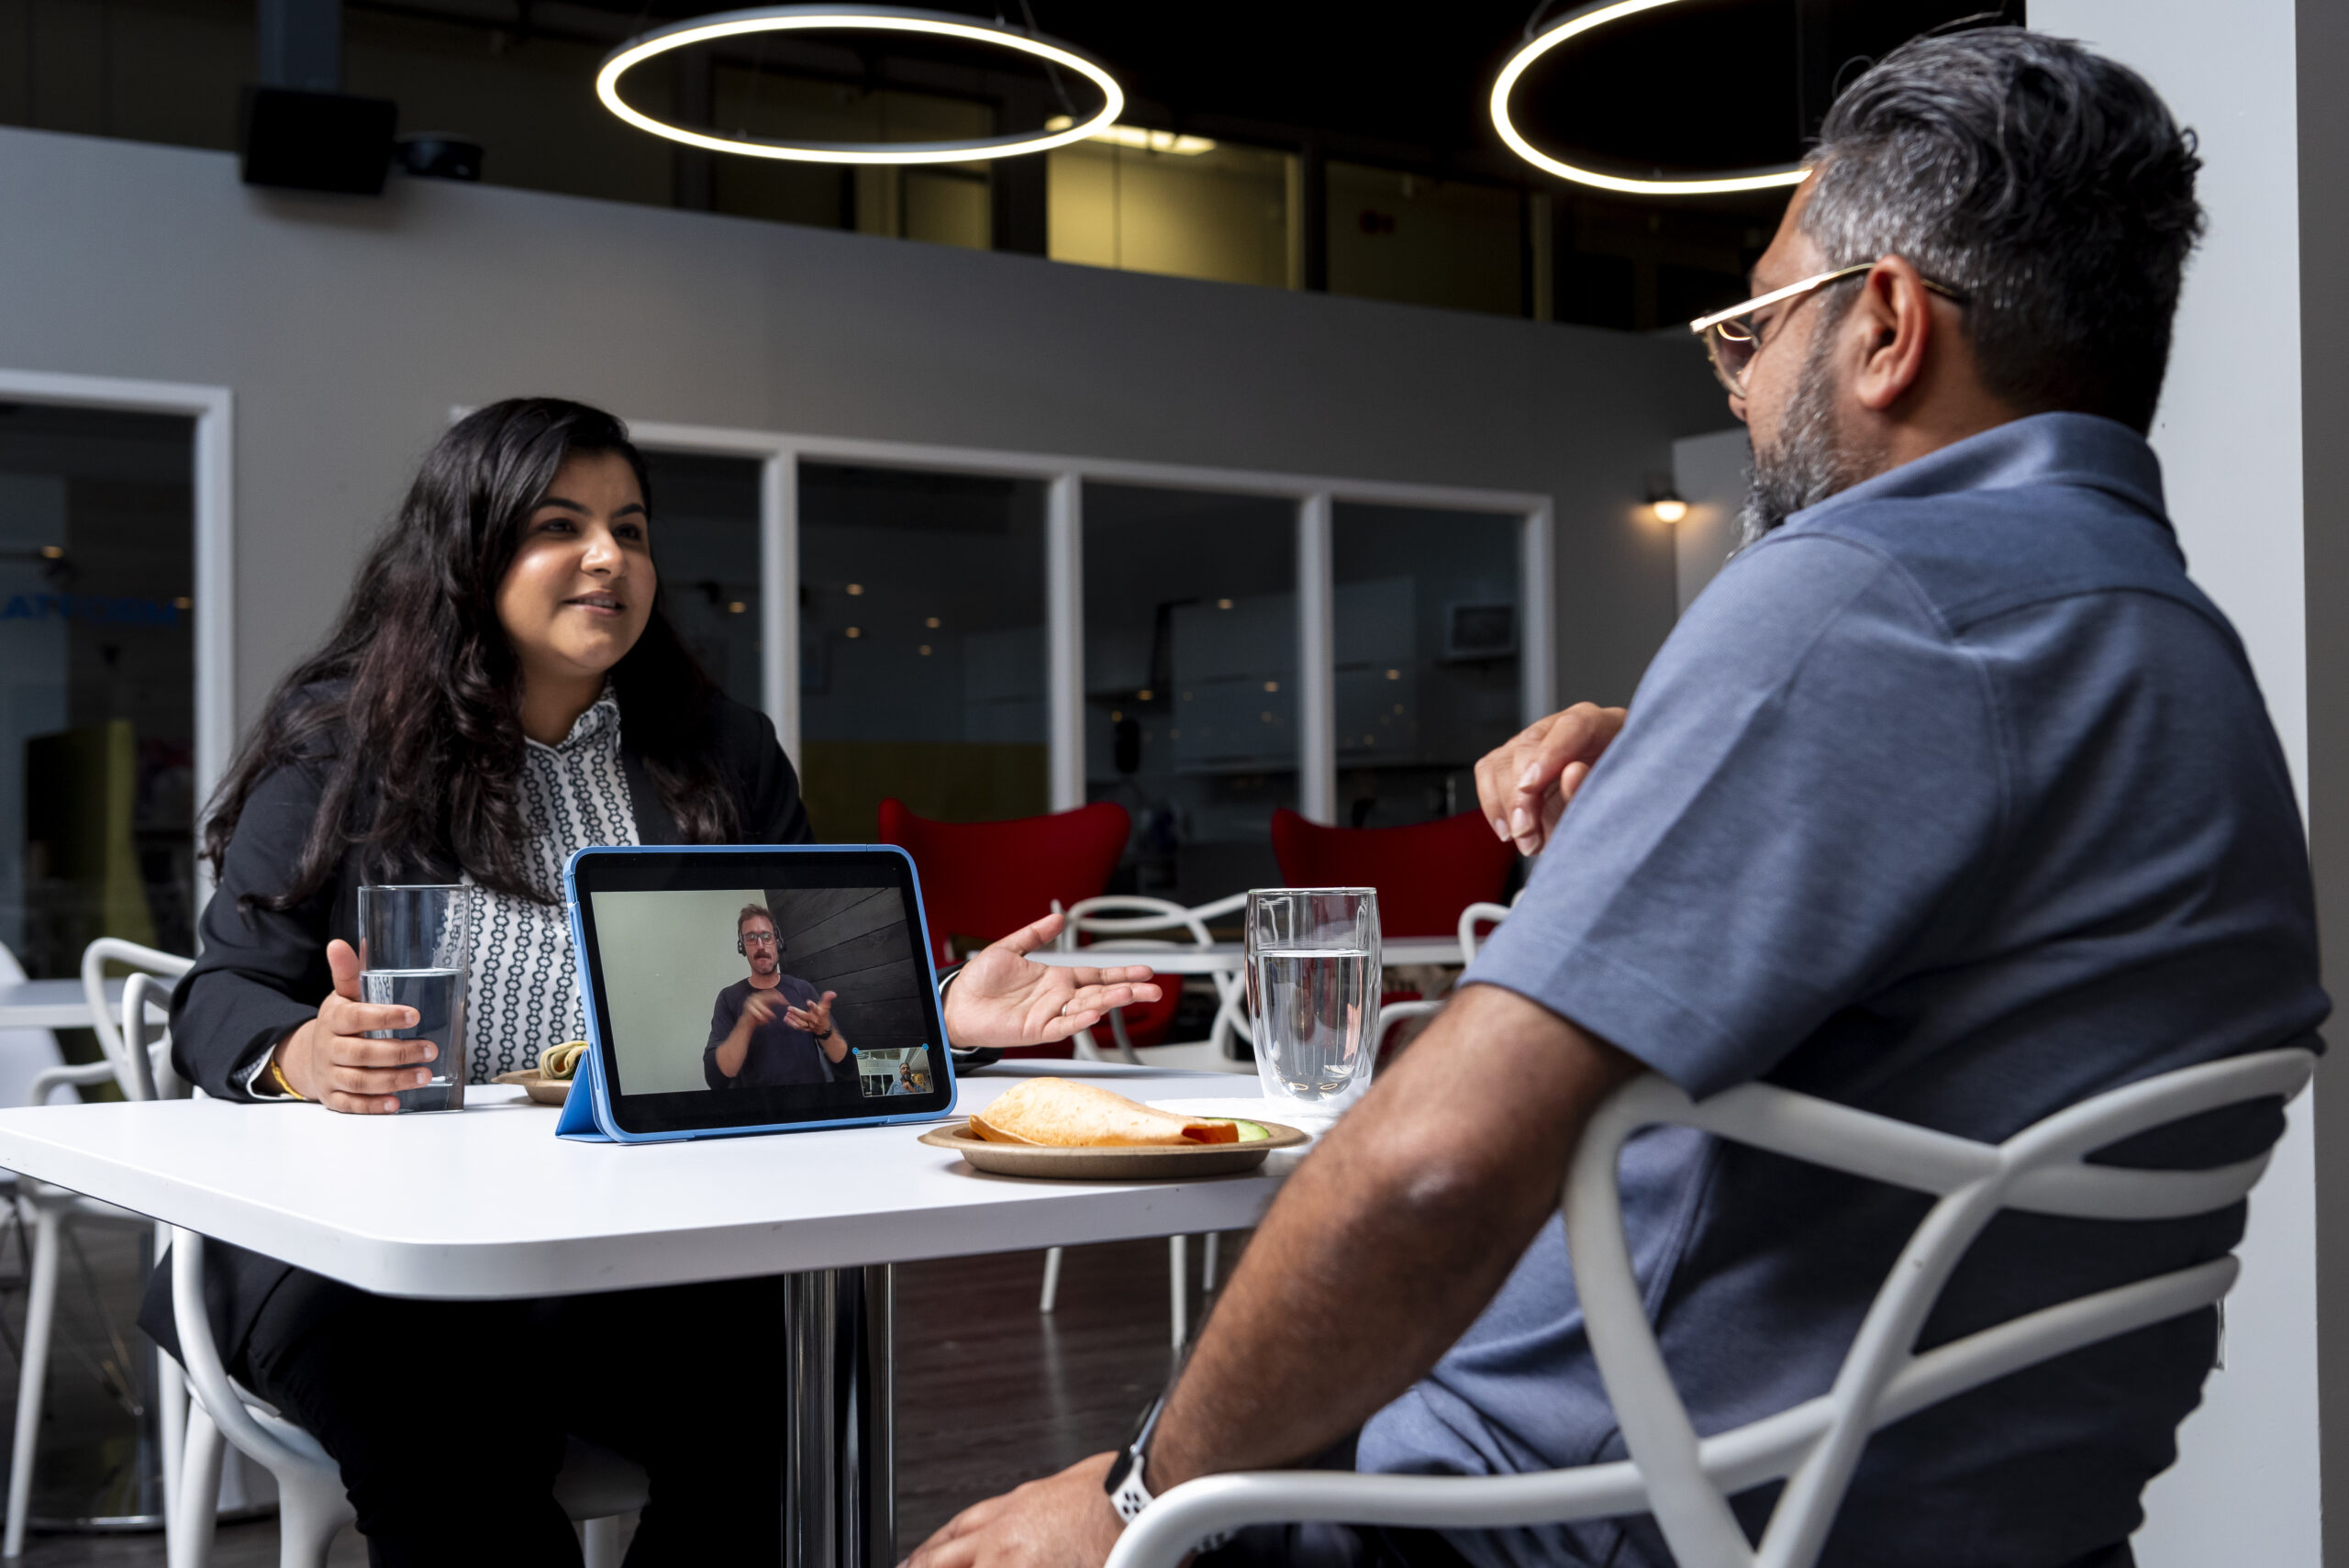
x,y
1537,589
1064,637
1316,679
779,597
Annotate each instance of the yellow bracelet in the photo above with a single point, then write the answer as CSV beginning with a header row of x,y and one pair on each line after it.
x,y
277,1076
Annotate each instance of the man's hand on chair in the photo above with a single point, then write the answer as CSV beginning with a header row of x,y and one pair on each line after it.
x,y
1062,1521
1003,997
1525,785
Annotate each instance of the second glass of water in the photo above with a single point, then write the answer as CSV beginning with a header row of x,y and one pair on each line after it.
x,y
416,950
1313,994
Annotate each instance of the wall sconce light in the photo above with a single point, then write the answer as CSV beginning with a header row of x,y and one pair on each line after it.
x,y
1664,500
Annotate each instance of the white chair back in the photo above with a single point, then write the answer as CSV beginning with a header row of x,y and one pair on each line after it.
x,y
1686,1482
1477,915
142,1071
1128,916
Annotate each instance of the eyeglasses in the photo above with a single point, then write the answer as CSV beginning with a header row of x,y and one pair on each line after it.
x,y
1733,336
758,939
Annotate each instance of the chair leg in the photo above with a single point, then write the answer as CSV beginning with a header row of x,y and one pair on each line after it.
x,y
311,1507
1178,1286
32,1376
1052,1279
599,1541
170,1420
188,1542
1206,1268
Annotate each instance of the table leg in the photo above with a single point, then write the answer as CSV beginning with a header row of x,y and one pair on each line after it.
x,y
839,1492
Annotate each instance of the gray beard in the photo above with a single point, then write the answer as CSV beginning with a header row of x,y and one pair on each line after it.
x,y
1809,462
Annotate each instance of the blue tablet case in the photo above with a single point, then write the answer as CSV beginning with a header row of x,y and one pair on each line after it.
x,y
587,1110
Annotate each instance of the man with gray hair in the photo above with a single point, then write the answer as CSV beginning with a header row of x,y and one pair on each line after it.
x,y
1951,798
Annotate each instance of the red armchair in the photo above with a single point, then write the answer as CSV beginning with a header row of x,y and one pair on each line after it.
x,y
1425,873
984,880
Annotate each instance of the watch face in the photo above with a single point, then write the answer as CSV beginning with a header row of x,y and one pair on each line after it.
x,y
1118,1470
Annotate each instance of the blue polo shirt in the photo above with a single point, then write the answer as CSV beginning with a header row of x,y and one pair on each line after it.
x,y
1952,799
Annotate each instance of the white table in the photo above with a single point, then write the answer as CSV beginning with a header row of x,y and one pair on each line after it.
x,y
435,1207
1229,958
59,1004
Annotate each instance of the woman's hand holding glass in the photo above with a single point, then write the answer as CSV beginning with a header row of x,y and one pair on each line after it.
x,y
331,1059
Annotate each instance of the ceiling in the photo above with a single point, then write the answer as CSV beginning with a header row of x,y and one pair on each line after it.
x,y
1701,85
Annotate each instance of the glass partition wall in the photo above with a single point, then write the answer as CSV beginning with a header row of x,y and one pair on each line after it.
x,y
97,682
986,635
1190,681
1425,641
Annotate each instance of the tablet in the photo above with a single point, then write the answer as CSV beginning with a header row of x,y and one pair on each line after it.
x,y
738,989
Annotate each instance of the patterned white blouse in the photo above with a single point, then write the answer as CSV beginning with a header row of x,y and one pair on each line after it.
x,y
523,995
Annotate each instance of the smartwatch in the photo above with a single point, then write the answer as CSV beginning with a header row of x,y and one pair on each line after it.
x,y
1129,1493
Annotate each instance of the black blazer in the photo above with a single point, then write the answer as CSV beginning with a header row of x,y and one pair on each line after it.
x,y
261,972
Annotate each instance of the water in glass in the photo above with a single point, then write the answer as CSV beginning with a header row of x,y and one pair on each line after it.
x,y
1313,966
416,950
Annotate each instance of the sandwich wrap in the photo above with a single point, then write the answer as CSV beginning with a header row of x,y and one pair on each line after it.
x,y
1056,1112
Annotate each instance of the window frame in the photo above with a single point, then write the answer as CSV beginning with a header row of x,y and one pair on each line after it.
x,y
214,492
1314,499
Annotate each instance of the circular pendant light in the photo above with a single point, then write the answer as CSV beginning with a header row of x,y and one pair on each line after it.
x,y
857,18
1590,19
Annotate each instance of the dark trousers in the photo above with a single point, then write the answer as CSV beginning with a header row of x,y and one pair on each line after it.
x,y
447,1418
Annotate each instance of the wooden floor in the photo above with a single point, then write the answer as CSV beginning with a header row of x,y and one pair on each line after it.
x,y
990,1392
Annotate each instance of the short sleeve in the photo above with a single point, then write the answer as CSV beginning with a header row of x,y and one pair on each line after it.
x,y
1811,782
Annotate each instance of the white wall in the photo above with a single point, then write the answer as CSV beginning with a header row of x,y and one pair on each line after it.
x,y
2246,1488
348,327
1709,472
666,957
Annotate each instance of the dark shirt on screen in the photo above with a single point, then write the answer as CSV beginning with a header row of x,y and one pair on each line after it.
x,y
779,1055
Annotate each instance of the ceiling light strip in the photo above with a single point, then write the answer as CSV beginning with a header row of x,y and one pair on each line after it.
x,y
856,18
1590,19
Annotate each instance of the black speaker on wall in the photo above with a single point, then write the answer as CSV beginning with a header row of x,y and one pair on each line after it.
x,y
317,141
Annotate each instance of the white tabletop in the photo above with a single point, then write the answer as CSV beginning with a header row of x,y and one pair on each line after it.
x,y
488,1202
58,1005
1228,958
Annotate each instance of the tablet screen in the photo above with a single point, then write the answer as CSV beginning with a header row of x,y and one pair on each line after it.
x,y
758,988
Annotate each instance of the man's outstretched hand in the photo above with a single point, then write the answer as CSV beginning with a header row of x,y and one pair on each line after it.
x,y
1525,785
1003,997
1062,1521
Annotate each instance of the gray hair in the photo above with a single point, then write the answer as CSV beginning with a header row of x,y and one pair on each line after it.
x,y
2048,183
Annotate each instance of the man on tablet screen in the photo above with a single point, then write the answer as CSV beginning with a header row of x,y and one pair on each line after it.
x,y
772,1028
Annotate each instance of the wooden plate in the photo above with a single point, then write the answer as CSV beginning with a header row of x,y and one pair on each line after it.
x,y
545,1090
1153,1162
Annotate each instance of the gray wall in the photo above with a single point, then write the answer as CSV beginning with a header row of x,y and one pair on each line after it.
x,y
348,327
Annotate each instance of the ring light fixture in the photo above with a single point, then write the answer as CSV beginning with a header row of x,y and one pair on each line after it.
x,y
1590,19
858,18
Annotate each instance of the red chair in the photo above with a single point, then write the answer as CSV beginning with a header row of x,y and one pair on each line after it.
x,y
980,881
1425,873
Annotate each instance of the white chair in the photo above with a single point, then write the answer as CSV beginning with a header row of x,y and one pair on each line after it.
x,y
1129,917
1477,915
1684,1481
595,1487
50,1211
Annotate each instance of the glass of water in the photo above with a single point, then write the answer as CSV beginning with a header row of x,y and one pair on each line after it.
x,y
1313,994
416,950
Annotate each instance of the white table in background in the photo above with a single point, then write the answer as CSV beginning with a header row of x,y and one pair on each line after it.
x,y
489,1203
58,1005
1229,958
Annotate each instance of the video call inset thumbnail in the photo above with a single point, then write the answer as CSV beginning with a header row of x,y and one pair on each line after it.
x,y
808,989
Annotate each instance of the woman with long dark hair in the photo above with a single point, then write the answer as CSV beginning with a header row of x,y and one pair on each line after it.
x,y
501,689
